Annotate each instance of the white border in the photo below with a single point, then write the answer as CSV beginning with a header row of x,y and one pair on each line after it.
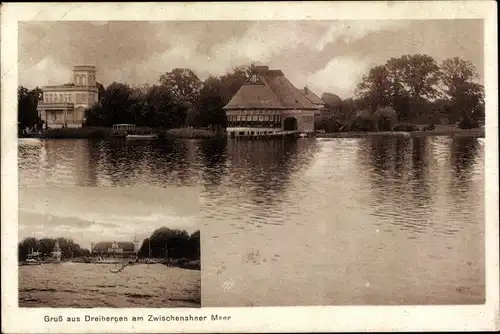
x,y
257,319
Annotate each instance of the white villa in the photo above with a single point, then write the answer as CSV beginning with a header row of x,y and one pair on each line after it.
x,y
64,105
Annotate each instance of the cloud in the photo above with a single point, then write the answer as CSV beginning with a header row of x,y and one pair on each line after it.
x,y
351,31
340,76
44,72
309,52
85,228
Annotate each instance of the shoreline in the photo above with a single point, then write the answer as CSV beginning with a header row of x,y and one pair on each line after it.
x,y
197,133
171,263
477,133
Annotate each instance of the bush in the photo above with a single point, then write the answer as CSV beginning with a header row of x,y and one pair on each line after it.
x,y
385,124
467,123
360,124
406,127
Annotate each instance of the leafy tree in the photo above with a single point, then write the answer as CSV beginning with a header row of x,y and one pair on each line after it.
x,y
162,109
85,252
100,91
465,95
232,82
26,246
47,246
183,83
211,103
194,245
27,103
94,116
115,104
178,242
375,87
215,94
405,83
418,74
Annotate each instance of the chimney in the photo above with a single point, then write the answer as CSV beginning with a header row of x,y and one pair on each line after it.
x,y
261,68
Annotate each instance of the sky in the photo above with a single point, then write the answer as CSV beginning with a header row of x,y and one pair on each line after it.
x,y
94,214
327,56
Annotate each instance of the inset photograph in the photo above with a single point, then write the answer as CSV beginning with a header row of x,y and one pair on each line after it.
x,y
161,271
96,247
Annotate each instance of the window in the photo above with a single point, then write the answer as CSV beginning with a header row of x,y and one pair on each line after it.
x,y
254,118
266,118
261,118
238,118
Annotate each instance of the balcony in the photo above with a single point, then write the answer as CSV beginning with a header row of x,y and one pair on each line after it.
x,y
56,105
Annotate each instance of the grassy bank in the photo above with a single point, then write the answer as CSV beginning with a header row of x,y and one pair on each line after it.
x,y
177,263
194,133
438,131
87,132
77,133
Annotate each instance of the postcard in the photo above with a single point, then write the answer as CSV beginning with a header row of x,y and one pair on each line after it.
x,y
249,167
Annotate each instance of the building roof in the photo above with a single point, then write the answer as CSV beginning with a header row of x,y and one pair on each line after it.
x,y
269,89
105,245
84,68
311,96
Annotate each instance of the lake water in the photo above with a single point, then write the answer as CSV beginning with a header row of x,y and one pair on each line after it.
x,y
93,285
283,222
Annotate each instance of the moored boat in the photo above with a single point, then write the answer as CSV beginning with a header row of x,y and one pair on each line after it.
x,y
31,262
142,137
32,259
109,261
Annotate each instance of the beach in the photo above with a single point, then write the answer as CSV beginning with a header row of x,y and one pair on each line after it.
x,y
93,285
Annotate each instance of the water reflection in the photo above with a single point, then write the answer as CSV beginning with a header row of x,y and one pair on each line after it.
x,y
400,178
265,168
214,157
463,155
325,215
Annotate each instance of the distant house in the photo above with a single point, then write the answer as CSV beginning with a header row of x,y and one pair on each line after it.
x,y
64,105
313,98
267,103
114,249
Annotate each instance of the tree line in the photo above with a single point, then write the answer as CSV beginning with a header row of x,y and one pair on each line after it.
x,y
27,103
416,85
69,249
179,99
178,244
172,243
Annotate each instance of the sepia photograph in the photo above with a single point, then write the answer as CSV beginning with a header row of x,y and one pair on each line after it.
x,y
347,180
98,247
213,164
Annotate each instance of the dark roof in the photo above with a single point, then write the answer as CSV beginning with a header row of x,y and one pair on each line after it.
x,y
105,245
331,99
311,96
269,89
